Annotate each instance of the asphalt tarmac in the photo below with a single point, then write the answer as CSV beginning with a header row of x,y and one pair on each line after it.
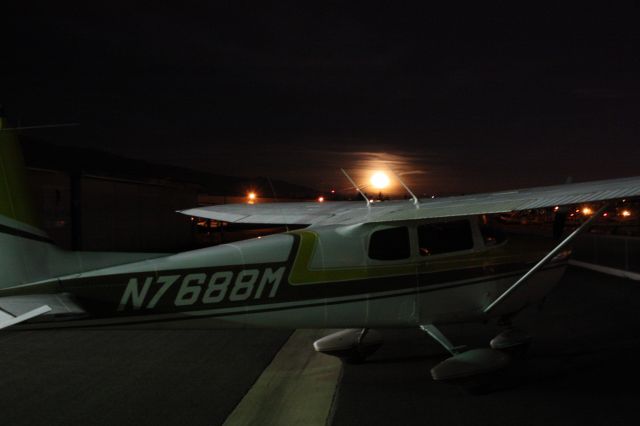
x,y
582,368
129,377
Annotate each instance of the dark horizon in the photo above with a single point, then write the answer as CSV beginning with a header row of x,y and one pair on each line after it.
x,y
462,100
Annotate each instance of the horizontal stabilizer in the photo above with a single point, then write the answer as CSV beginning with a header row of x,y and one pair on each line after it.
x,y
7,320
58,306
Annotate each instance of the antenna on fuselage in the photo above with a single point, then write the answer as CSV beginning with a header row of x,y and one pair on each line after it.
x,y
275,197
357,187
416,202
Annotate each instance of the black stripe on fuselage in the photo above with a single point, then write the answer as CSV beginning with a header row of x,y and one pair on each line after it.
x,y
243,311
24,234
102,295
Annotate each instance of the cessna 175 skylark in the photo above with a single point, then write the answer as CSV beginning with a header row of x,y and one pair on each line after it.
x,y
356,266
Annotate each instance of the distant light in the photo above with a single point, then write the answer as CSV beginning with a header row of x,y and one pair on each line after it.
x,y
556,208
379,180
321,199
251,196
606,214
587,211
626,213
333,191
577,210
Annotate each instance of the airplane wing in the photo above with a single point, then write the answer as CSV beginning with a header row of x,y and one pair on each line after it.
x,y
305,213
353,212
523,199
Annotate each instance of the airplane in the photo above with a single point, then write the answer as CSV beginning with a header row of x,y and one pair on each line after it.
x,y
355,266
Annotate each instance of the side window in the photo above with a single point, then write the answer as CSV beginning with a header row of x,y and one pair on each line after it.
x,y
390,244
445,237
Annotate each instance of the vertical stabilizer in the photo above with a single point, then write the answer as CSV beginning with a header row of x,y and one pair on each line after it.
x,y
25,250
15,198
27,255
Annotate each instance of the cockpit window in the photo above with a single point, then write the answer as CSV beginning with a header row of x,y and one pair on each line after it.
x,y
444,237
390,244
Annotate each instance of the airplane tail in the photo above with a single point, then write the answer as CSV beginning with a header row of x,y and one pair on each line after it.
x,y
25,249
27,254
15,200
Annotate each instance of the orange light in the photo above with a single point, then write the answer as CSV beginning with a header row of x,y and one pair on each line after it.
x,y
321,199
587,211
626,213
251,195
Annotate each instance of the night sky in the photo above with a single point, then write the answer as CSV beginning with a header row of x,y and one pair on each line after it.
x,y
462,99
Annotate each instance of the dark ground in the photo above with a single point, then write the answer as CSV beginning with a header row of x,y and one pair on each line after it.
x,y
129,377
582,369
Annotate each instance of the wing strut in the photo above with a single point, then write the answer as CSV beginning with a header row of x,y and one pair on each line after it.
x,y
416,202
357,187
543,261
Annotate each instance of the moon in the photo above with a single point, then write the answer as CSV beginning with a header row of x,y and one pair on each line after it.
x,y
380,180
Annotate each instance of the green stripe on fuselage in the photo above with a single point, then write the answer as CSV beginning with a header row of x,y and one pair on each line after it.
x,y
519,249
301,274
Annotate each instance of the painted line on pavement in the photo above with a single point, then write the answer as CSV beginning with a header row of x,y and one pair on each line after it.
x,y
296,388
607,270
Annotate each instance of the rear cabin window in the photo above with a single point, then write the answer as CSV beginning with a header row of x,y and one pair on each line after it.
x,y
390,244
492,235
445,237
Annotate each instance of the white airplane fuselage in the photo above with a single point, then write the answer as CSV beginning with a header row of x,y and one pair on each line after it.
x,y
324,277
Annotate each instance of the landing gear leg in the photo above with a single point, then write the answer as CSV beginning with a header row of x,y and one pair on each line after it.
x,y
437,335
362,335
